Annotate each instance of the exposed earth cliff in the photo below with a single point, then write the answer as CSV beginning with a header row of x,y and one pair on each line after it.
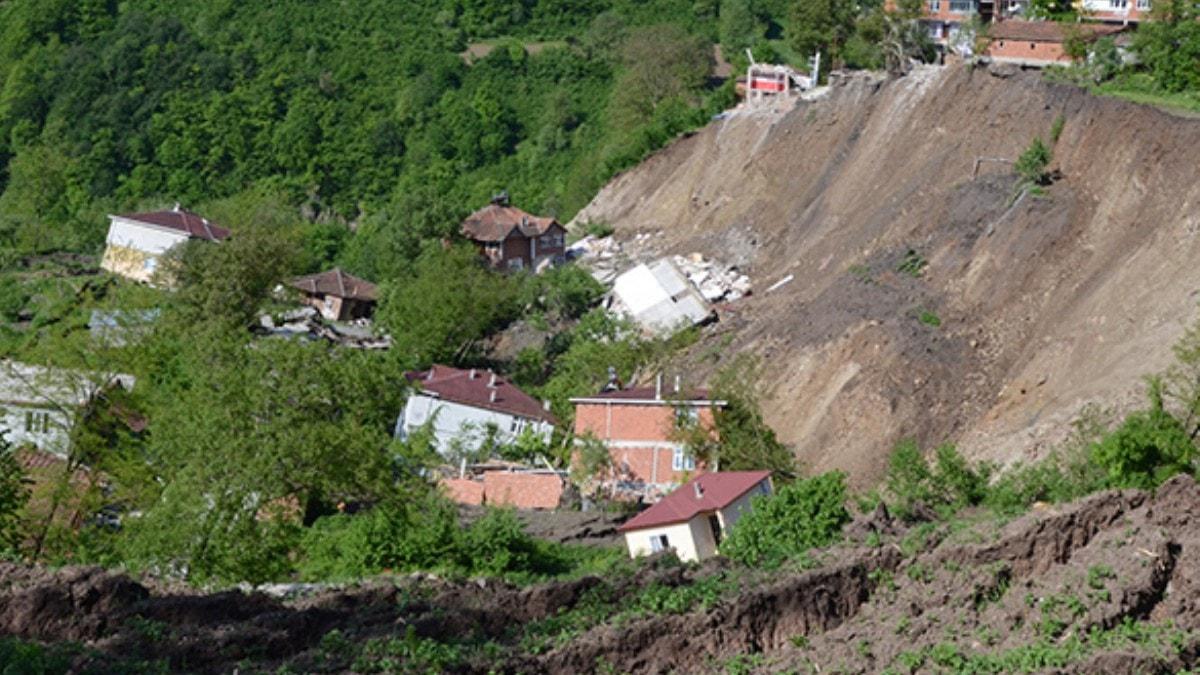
x,y
867,196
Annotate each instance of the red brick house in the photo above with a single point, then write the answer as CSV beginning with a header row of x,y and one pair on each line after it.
x,y
336,295
1040,43
639,428
512,239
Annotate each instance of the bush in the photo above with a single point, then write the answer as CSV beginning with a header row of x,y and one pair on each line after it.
x,y
1031,165
806,514
1149,447
949,484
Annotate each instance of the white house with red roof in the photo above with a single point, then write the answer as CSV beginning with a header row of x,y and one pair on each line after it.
x,y
465,407
696,517
136,241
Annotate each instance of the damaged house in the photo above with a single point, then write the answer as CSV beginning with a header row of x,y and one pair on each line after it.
x,y
338,296
39,406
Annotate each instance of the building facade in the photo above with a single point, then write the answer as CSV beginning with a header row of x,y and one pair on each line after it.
x,y
136,242
1040,43
466,408
38,405
695,518
640,429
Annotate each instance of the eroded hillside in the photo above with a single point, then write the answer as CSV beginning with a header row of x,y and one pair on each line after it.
x,y
1044,303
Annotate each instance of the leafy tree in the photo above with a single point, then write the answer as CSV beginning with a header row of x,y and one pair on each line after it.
x,y
806,514
660,64
1169,48
14,493
739,27
822,25
261,435
450,302
740,440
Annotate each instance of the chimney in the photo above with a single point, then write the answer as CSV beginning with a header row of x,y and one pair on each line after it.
x,y
699,490
677,382
177,208
429,375
546,405
473,374
614,383
658,387
492,381
493,396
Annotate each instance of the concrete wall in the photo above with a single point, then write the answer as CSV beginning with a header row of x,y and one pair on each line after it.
x,y
465,423
133,249
731,514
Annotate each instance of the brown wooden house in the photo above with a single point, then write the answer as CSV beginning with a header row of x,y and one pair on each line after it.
x,y
338,296
512,239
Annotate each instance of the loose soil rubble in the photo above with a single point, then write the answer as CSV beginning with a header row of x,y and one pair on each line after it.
x,y
875,603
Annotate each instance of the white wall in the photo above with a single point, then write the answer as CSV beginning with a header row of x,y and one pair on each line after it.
x,y
15,420
145,238
468,423
692,540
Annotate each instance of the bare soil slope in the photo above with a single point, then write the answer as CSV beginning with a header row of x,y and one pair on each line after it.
x,y
1044,303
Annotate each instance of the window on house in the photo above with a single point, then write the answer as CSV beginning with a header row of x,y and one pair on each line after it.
x,y
150,264
1143,5
686,416
935,6
659,542
962,6
1118,4
682,461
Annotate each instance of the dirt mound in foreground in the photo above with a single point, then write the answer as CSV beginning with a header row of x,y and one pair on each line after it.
x,y
1105,584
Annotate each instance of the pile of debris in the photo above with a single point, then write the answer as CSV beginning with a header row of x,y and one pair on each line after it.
x,y
306,324
603,256
716,282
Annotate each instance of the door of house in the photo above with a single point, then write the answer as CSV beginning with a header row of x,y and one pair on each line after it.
x,y
715,523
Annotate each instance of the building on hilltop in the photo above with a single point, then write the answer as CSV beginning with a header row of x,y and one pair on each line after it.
x,y
1040,43
137,241
338,296
512,239
947,21
467,407
640,428
696,517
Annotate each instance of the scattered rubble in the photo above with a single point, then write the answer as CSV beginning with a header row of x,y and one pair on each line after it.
x,y
306,323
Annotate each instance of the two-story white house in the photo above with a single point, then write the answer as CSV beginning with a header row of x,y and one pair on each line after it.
x,y
38,405
465,407
136,241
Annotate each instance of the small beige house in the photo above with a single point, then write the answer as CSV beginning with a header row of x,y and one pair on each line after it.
x,y
136,241
694,519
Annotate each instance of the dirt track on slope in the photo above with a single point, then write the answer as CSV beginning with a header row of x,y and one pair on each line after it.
x,y
1113,557
1042,303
